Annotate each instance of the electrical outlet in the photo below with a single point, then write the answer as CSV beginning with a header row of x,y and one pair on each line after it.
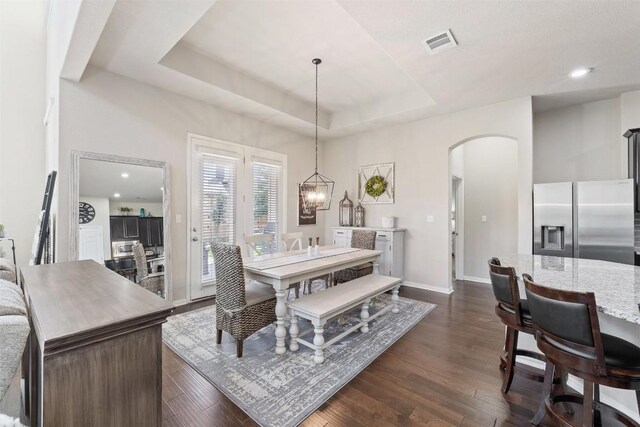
x,y
484,218
430,218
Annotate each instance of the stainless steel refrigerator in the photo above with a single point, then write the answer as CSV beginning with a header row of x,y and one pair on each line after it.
x,y
591,219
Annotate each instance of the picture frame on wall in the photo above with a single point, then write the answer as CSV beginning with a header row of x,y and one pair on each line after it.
x,y
376,184
307,215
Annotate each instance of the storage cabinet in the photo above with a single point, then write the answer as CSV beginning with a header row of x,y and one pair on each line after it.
x,y
389,241
149,230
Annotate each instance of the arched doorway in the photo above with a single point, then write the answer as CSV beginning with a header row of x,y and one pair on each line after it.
x,y
483,196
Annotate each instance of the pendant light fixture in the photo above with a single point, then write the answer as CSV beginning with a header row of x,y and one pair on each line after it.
x,y
317,190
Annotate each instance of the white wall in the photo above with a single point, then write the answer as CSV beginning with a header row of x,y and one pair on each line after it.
x,y
112,114
101,205
578,143
22,178
420,151
491,190
154,209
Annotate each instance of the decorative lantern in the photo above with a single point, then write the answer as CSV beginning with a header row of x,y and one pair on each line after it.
x,y
359,214
345,213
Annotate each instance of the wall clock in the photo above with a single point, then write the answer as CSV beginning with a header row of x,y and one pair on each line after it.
x,y
87,213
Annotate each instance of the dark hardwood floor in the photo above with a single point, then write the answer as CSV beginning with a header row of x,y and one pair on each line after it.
x,y
443,372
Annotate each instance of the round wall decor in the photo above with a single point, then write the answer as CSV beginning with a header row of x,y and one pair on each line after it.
x,y
375,186
86,213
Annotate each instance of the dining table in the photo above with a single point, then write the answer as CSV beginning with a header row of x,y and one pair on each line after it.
x,y
283,269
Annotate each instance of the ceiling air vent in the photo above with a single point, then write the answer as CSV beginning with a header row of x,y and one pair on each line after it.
x,y
440,42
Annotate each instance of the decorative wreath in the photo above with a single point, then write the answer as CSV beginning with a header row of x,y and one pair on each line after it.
x,y
375,186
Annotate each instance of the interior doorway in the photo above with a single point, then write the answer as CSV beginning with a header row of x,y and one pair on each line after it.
x,y
457,229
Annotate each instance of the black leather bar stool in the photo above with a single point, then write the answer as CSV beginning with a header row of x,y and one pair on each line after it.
x,y
514,313
568,333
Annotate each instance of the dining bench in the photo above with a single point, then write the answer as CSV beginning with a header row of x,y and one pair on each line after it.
x,y
330,303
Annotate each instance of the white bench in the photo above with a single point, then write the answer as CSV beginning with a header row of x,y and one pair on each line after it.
x,y
325,305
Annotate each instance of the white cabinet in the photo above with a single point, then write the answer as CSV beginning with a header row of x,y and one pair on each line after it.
x,y
390,241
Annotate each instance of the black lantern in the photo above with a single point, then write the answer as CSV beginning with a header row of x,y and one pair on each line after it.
x,y
359,214
317,190
345,215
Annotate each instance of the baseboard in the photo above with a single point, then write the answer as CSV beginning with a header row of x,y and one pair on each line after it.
x,y
427,287
576,384
477,279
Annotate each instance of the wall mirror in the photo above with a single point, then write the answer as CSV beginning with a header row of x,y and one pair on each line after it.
x,y
120,217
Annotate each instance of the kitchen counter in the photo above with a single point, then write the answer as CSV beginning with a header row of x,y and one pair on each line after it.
x,y
616,286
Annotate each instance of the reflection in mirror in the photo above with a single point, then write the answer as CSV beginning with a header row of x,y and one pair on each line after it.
x,y
121,224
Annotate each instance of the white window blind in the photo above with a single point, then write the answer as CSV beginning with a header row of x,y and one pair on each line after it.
x,y
218,204
265,182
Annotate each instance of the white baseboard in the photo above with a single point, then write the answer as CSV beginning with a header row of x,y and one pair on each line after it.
x,y
427,287
477,279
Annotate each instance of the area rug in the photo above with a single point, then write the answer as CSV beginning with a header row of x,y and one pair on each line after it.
x,y
283,390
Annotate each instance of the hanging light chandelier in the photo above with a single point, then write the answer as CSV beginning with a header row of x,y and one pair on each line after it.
x,y
317,190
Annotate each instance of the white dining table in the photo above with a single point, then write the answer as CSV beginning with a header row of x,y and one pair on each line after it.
x,y
283,269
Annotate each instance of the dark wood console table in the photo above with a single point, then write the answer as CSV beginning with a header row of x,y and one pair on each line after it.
x,y
94,357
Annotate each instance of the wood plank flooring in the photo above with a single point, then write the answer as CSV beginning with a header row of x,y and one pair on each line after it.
x,y
444,372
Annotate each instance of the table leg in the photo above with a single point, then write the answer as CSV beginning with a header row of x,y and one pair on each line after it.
x,y
394,300
364,315
293,332
281,331
318,342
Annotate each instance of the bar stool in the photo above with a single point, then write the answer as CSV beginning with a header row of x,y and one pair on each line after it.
x,y
568,333
514,313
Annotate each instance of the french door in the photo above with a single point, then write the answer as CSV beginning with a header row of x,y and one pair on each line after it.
x,y
235,191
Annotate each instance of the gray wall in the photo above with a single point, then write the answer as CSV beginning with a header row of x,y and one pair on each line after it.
x,y
578,143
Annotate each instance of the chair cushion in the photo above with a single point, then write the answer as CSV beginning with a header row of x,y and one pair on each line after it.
x,y
256,292
11,300
619,353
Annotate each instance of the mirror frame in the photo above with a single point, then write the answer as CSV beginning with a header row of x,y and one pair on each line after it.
x,y
74,199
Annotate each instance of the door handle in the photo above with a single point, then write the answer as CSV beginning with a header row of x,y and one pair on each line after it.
x,y
194,239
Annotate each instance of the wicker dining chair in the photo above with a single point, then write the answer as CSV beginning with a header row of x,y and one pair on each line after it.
x,y
361,239
241,310
153,282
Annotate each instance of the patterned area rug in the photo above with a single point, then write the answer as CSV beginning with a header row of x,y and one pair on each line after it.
x,y
284,390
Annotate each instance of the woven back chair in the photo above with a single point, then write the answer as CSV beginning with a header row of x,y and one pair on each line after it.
x,y
153,282
241,310
361,239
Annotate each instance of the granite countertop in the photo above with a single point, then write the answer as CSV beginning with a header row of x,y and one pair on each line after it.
x,y
616,286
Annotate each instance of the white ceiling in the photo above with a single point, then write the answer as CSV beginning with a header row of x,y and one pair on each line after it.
x,y
254,56
104,179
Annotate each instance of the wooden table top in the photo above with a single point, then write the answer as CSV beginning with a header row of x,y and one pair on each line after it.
x,y
80,300
309,264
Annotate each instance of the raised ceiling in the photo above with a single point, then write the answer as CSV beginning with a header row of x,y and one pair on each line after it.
x,y
254,57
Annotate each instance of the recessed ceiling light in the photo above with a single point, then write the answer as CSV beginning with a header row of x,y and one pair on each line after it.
x,y
125,175
116,195
580,72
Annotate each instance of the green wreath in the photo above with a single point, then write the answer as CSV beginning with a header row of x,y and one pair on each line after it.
x,y
375,186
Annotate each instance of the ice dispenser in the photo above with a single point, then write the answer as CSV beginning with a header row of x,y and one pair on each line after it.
x,y
553,237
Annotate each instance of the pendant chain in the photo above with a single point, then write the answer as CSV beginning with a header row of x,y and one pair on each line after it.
x,y
316,118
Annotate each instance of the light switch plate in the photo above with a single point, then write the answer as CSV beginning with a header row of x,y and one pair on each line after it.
x,y
430,218
178,219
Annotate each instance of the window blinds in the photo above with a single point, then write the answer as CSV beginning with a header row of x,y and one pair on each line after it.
x,y
265,186
218,204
